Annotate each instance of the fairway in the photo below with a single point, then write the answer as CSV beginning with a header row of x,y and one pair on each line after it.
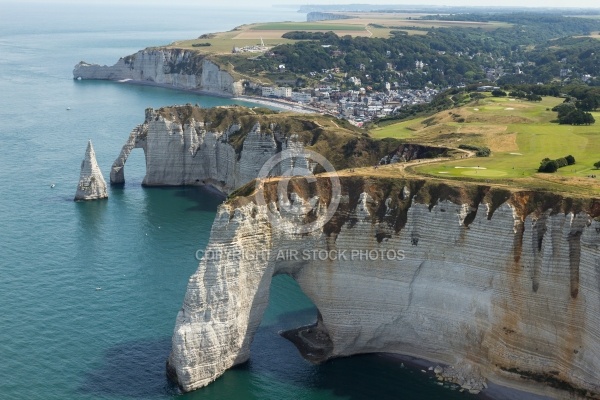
x,y
519,133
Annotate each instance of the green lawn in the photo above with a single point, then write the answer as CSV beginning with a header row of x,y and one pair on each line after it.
x,y
536,138
535,142
306,26
401,130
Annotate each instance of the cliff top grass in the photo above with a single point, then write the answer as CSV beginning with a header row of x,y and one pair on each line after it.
x,y
519,133
388,191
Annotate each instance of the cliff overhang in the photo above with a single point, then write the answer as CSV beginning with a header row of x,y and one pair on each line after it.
x,y
504,282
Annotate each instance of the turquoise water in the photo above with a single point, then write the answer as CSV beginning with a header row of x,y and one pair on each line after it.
x,y
89,291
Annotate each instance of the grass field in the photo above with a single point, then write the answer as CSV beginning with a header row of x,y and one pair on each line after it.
x,y
307,26
520,135
362,24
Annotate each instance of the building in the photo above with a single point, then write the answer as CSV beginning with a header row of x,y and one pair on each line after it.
x,y
301,97
268,91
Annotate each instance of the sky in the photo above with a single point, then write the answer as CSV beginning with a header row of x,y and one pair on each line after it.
x,y
244,3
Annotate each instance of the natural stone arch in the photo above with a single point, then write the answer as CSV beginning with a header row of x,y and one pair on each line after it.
x,y
137,139
481,312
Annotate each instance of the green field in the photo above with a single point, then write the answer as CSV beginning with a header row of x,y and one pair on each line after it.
x,y
306,26
521,133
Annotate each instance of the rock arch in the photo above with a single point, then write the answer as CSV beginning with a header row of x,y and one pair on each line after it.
x,y
136,140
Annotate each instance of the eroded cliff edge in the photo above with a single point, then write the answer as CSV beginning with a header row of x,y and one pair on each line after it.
x,y
505,282
225,147
177,68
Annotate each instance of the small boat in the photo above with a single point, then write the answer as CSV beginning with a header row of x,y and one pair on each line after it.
x,y
98,288
68,108
52,185
78,78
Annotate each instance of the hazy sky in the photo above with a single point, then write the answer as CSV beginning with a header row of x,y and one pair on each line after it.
x,y
244,4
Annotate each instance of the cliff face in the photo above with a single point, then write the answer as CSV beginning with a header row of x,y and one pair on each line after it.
x,y
193,152
226,147
91,184
181,69
506,285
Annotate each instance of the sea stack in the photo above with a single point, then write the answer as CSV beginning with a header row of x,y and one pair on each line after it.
x,y
91,185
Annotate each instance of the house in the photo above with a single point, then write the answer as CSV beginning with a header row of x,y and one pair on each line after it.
x,y
301,97
268,91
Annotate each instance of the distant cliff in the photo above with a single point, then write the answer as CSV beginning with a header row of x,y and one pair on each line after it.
x,y
225,147
501,285
181,69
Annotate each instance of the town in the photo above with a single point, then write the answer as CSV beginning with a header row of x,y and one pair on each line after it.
x,y
358,106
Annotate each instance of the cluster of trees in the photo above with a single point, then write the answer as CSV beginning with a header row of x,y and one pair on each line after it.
x,y
303,35
480,151
569,114
519,94
451,56
549,166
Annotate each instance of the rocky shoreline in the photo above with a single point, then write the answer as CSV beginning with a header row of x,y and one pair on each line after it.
x,y
451,378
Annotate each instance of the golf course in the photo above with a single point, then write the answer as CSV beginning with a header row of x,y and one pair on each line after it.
x,y
519,134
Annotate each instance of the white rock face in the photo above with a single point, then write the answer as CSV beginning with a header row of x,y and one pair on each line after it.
x,y
181,69
506,294
194,154
91,182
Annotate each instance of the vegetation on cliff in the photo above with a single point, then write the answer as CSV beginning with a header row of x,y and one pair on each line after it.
x,y
344,145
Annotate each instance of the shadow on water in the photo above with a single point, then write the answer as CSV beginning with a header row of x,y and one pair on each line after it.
x,y
360,377
131,369
137,370
91,215
275,370
205,199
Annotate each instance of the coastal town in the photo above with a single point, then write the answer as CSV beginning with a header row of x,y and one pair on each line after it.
x,y
358,106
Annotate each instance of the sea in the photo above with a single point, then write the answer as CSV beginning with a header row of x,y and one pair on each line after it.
x,y
89,291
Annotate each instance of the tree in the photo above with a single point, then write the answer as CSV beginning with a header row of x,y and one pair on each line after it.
x,y
548,165
597,165
498,93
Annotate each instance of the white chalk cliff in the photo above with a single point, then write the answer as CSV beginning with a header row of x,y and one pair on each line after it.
x,y
177,68
91,184
226,147
505,285
192,153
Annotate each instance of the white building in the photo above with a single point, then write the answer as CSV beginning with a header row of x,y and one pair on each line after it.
x,y
268,91
301,97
